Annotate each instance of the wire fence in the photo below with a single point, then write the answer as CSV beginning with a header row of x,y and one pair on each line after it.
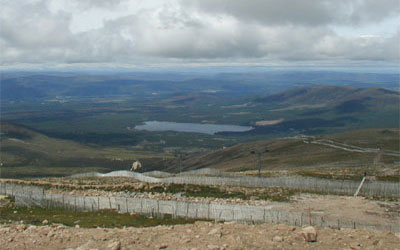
x,y
37,196
325,186
301,183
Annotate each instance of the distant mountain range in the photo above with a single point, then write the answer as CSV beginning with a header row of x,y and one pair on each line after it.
x,y
38,86
344,99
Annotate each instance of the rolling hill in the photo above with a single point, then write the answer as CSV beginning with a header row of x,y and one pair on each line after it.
x,y
323,109
381,146
339,97
27,153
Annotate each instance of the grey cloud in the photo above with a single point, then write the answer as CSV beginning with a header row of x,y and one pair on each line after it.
x,y
370,11
204,31
205,39
362,48
305,12
32,25
30,33
89,4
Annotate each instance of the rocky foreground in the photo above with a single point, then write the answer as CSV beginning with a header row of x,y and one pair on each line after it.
x,y
201,235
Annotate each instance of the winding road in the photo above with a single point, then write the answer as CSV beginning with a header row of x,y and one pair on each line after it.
x,y
349,148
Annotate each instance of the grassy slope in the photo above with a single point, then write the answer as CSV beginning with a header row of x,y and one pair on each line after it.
x,y
295,154
27,153
104,218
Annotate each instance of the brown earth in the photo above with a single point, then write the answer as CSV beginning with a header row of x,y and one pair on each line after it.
x,y
201,235
346,208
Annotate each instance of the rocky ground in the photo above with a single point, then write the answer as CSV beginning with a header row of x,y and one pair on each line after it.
x,y
361,210
346,208
206,235
201,235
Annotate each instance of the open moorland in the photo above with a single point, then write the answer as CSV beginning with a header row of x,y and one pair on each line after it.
x,y
302,148
26,153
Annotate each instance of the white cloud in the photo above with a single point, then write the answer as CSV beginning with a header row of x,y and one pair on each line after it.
x,y
200,31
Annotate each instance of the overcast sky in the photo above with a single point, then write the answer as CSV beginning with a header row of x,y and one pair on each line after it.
x,y
138,33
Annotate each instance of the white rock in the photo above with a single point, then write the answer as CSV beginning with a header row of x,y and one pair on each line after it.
x,y
87,246
214,231
116,245
309,234
212,246
355,245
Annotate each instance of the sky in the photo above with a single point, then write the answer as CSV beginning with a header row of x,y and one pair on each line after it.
x,y
89,34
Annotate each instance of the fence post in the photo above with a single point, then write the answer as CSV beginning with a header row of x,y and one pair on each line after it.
x,y
301,220
187,209
175,209
47,201
208,211
264,215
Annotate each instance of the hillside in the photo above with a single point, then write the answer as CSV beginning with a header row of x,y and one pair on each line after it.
x,y
322,110
339,97
26,153
299,153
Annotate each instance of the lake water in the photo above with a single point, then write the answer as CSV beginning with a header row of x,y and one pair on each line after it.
x,y
191,127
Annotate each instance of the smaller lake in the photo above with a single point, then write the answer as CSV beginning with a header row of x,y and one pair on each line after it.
x,y
191,127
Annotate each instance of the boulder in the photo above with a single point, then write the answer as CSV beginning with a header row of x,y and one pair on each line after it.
x,y
116,245
163,246
136,165
309,234
212,247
